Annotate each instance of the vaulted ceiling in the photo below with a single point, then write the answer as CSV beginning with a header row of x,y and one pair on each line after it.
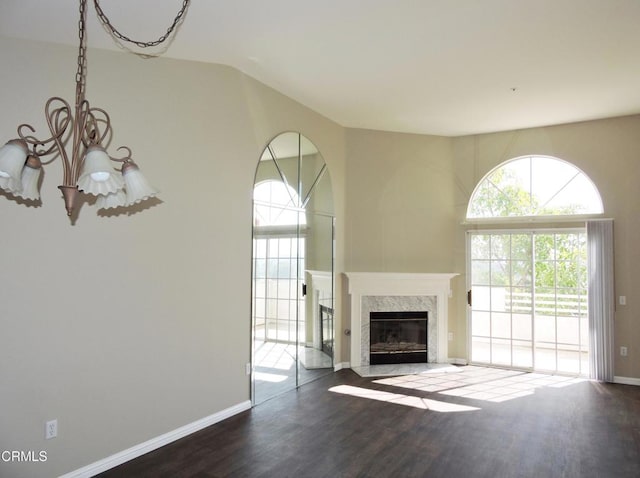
x,y
444,67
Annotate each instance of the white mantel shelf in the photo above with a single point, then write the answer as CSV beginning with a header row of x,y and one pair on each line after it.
x,y
363,284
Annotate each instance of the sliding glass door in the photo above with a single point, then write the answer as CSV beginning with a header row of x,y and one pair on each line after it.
x,y
528,295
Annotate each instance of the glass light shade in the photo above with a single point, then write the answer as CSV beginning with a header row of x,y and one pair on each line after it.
x,y
137,187
112,200
98,175
12,158
30,177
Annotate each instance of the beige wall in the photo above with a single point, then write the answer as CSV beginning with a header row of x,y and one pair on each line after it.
x,y
608,151
407,197
402,210
125,328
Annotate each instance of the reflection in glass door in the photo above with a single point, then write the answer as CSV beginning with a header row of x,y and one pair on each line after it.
x,y
529,300
292,273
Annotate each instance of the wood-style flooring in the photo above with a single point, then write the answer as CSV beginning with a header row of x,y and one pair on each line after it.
x,y
343,425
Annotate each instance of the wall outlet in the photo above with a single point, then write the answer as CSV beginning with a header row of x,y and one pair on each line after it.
x,y
450,336
247,368
623,300
51,429
623,351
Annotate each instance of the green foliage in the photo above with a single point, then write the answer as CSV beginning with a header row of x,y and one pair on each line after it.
x,y
503,195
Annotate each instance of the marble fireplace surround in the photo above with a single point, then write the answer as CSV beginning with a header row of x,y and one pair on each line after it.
x,y
390,291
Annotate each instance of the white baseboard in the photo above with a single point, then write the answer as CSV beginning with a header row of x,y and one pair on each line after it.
x,y
150,445
341,365
457,361
626,380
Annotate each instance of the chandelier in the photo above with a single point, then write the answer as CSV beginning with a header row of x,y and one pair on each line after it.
x,y
86,130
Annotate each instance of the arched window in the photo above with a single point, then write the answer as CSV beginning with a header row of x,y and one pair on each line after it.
x,y
528,287
534,186
276,204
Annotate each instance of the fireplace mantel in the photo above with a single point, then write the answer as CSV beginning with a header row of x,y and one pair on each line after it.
x,y
395,284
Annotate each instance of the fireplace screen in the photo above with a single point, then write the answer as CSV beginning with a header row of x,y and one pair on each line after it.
x,y
398,337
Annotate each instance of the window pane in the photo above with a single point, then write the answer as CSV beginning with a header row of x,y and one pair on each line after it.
x,y
499,299
272,288
261,248
522,354
545,274
568,330
481,298
501,351
521,300
480,274
480,350
545,301
260,268
521,247
501,325
501,246
544,248
545,357
260,288
480,323
545,328
534,185
521,273
480,246
522,327
500,273
284,247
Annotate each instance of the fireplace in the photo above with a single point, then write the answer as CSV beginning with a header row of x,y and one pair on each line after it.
x,y
406,292
398,337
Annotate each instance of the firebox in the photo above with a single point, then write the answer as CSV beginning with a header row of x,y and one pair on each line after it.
x,y
398,337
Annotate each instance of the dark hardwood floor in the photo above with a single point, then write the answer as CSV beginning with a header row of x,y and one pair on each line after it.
x,y
581,430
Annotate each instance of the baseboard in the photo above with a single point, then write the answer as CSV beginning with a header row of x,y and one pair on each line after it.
x,y
150,445
626,380
457,361
341,365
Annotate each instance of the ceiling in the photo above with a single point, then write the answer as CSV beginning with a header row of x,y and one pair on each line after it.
x,y
443,67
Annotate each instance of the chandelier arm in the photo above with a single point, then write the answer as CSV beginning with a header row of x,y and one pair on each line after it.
x,y
58,121
124,159
98,116
35,142
142,44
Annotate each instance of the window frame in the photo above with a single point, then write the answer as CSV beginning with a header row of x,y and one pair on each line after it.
x,y
539,218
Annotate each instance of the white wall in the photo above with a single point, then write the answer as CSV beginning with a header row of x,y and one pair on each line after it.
x,y
124,328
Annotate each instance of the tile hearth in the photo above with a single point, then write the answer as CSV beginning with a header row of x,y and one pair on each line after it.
x,y
388,370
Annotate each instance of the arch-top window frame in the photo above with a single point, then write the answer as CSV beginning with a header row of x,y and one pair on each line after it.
x,y
560,178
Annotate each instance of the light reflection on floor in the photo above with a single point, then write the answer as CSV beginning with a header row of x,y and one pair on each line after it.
x,y
401,399
480,383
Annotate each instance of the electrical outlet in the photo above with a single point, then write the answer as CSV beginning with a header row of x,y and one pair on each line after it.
x,y
623,351
623,300
450,336
247,368
51,429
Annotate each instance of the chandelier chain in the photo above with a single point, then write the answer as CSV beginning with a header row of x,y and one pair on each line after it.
x,y
142,44
82,54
